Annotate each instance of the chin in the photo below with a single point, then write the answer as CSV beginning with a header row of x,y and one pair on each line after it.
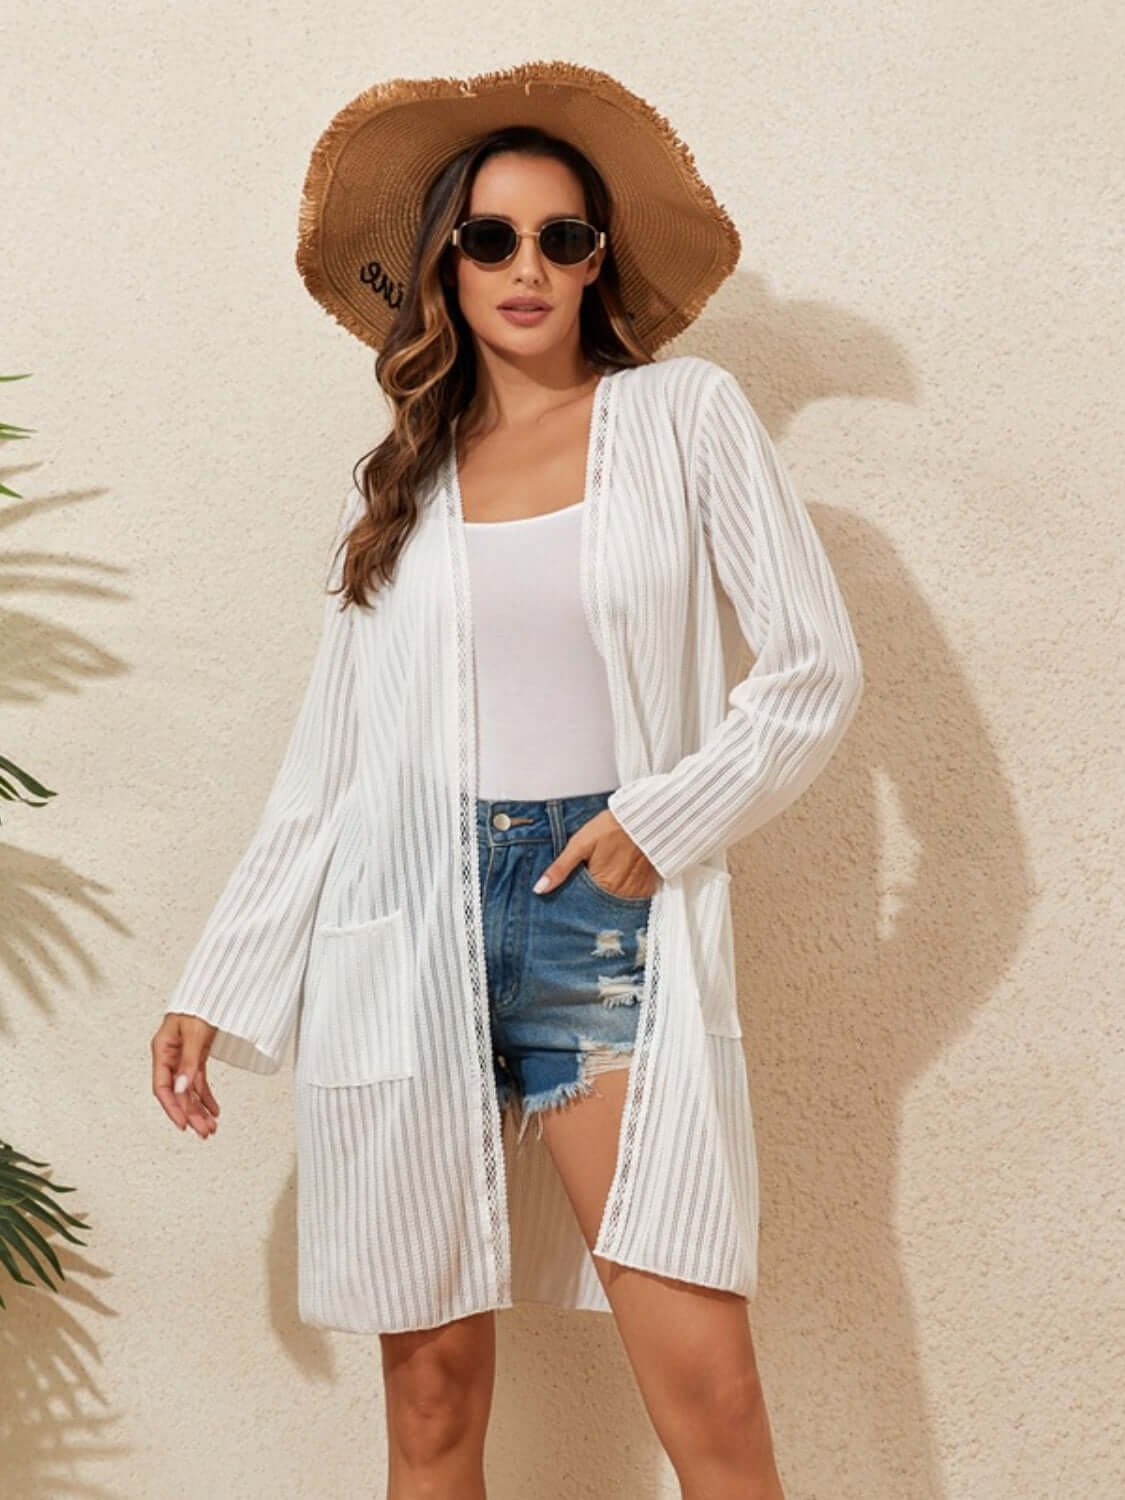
x,y
513,340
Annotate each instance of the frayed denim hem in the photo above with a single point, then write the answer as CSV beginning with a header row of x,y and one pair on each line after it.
x,y
595,1057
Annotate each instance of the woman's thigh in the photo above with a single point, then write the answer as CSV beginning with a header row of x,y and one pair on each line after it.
x,y
690,1346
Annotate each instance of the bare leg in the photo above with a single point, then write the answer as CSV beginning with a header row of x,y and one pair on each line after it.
x,y
689,1346
438,1384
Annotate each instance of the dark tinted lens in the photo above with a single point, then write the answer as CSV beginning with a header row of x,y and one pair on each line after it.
x,y
487,240
567,241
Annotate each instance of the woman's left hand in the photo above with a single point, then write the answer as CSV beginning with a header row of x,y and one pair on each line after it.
x,y
611,857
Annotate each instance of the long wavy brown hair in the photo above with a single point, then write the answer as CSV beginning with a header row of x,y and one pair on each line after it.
x,y
427,367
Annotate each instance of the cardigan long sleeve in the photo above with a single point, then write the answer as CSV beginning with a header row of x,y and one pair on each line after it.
x,y
246,971
788,714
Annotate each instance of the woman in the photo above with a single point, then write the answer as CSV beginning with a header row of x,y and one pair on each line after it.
x,y
489,883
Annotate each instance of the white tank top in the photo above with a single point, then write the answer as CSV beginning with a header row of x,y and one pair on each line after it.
x,y
544,720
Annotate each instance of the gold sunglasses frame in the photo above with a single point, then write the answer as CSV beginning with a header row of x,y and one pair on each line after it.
x,y
522,234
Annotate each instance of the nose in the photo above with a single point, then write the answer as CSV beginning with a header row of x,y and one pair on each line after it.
x,y
528,261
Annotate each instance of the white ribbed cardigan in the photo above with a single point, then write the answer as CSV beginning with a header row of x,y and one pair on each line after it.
x,y
353,919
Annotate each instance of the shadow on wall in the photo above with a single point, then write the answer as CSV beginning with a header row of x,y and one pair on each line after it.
x,y
856,977
851,986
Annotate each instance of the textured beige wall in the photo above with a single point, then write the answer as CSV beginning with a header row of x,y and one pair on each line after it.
x,y
929,316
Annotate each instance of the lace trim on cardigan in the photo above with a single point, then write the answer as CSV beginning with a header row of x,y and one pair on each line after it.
x,y
615,1212
491,1125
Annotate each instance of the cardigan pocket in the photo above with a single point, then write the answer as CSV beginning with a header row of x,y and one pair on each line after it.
x,y
361,1023
707,892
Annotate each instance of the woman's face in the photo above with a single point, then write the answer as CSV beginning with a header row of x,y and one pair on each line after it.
x,y
526,190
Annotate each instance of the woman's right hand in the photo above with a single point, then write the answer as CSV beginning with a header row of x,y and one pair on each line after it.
x,y
180,1047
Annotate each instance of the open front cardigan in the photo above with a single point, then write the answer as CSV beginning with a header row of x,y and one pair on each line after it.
x,y
352,922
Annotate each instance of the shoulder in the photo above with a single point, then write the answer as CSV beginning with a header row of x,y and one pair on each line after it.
x,y
687,393
679,379
684,388
349,511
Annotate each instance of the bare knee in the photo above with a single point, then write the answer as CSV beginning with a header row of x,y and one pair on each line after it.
x,y
715,1410
438,1389
429,1421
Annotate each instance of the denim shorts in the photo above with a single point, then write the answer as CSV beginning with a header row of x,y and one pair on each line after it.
x,y
566,968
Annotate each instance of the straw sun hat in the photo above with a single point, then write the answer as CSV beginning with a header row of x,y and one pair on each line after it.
x,y
370,169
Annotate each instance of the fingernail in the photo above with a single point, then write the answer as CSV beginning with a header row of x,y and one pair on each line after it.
x,y
541,885
181,1083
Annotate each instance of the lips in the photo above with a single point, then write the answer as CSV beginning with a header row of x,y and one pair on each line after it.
x,y
522,304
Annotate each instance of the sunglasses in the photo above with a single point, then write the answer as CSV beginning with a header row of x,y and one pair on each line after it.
x,y
491,241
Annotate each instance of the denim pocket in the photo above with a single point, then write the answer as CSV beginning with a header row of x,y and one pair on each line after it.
x,y
634,903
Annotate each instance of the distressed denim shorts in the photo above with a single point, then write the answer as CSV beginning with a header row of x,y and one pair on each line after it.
x,y
566,968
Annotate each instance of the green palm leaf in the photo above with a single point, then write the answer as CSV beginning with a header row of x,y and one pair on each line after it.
x,y
24,1194
11,793
10,432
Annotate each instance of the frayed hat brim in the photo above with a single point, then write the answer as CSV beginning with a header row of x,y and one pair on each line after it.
x,y
361,201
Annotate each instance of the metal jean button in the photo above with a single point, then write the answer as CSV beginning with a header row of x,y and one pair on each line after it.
x,y
501,820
